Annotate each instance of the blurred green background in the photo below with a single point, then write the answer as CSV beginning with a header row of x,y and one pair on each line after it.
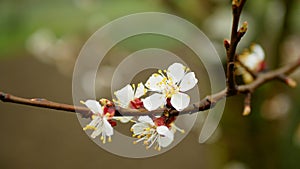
x,y
39,43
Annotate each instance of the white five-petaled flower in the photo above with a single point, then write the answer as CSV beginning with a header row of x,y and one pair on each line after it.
x,y
129,97
147,131
172,86
99,122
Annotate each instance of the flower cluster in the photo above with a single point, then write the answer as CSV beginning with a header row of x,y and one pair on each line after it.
x,y
164,89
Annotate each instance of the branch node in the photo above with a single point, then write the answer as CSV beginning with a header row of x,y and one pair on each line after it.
x,y
232,87
287,80
291,82
235,4
226,44
247,110
244,27
2,96
39,100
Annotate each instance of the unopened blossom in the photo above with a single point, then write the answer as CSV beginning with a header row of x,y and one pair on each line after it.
x,y
169,86
129,97
100,121
254,60
152,132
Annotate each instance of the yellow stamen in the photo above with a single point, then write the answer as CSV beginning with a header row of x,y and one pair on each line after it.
x,y
89,128
103,101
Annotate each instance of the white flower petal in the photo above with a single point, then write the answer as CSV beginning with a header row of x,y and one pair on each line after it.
x,y
109,131
95,121
180,101
94,106
251,61
125,95
188,82
140,90
97,132
98,128
164,130
259,51
146,119
176,72
138,128
154,101
125,119
166,137
155,82
164,141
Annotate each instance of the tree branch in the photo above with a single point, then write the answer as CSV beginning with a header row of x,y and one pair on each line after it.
x,y
205,104
231,46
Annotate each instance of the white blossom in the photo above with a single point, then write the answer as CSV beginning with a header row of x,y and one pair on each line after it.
x,y
147,131
129,97
171,86
253,58
99,123
129,93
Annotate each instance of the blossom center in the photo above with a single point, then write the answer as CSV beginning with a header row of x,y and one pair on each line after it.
x,y
170,88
